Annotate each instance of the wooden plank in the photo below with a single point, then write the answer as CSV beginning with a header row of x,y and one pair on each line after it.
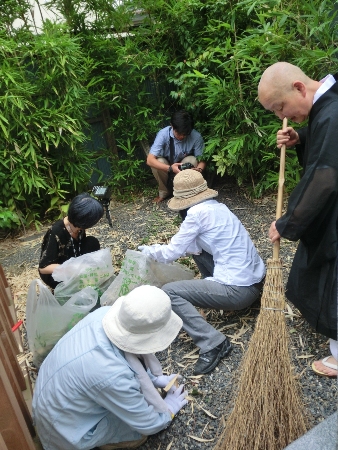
x,y
4,282
28,392
14,378
13,428
17,384
3,276
5,306
9,347
9,308
6,327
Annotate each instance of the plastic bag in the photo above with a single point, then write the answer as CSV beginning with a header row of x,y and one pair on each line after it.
x,y
92,269
47,321
138,269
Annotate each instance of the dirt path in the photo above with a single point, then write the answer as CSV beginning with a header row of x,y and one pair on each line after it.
x,y
199,424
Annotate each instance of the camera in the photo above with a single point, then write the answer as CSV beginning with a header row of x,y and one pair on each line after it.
x,y
103,194
186,165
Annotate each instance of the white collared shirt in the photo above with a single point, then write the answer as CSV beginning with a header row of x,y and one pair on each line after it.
x,y
327,82
211,226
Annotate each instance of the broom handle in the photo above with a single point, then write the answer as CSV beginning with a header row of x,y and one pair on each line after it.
x,y
276,245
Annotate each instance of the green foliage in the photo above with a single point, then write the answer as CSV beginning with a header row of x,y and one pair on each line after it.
x,y
128,175
209,54
221,81
42,120
8,219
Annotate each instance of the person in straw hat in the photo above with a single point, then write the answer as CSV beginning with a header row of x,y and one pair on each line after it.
x,y
231,269
312,212
98,386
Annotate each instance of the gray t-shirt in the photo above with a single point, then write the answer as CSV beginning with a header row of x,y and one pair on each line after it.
x,y
190,145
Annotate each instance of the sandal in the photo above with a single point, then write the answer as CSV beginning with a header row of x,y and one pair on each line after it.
x,y
326,364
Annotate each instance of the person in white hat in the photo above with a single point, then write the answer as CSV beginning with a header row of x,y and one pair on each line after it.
x,y
232,271
98,386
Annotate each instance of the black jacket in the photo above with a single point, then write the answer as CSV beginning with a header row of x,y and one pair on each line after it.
x,y
311,217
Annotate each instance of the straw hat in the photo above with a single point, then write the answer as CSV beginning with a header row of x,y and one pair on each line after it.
x,y
142,321
190,188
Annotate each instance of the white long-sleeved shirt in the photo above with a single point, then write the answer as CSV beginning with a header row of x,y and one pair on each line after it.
x,y
211,226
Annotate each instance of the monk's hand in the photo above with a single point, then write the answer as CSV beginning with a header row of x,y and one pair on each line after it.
x,y
273,233
289,137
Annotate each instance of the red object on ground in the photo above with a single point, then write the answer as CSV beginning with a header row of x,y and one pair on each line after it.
x,y
16,326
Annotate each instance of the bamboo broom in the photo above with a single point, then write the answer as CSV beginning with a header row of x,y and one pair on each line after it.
x,y
268,413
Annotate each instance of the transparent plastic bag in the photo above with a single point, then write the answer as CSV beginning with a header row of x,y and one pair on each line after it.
x,y
47,321
93,269
138,269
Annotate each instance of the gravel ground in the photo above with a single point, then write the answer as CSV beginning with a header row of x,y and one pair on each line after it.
x,y
200,423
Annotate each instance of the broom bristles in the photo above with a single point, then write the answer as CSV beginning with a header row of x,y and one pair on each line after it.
x,y
268,413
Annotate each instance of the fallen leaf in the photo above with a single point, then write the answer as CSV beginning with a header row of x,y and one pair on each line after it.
x,y
170,384
200,439
188,355
239,334
206,412
301,341
228,326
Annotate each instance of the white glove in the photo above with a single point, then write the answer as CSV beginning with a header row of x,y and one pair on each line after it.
x,y
145,249
176,400
162,380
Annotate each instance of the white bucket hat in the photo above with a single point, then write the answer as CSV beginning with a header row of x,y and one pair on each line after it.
x,y
190,188
142,321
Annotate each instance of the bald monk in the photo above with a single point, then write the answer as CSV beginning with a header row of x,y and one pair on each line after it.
x,y
312,210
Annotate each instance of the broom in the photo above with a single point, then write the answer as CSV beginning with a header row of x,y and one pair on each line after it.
x,y
268,413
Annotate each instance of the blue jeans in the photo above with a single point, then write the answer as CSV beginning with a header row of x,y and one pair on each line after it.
x,y
185,295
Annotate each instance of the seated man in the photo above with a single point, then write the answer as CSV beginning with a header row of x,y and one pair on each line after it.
x,y
173,146
97,387
231,268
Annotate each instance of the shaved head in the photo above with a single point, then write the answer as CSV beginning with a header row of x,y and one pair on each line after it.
x,y
285,90
278,80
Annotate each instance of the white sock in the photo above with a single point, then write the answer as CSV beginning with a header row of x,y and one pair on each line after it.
x,y
334,348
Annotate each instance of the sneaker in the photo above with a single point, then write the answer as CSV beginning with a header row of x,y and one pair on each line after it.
x,y
209,360
126,444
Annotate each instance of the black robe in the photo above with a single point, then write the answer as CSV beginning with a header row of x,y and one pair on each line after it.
x,y
311,217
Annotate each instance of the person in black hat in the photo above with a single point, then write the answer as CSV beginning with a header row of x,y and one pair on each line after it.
x,y
67,238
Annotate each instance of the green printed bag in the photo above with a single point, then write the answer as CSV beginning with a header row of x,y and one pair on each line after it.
x,y
138,269
47,321
92,269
